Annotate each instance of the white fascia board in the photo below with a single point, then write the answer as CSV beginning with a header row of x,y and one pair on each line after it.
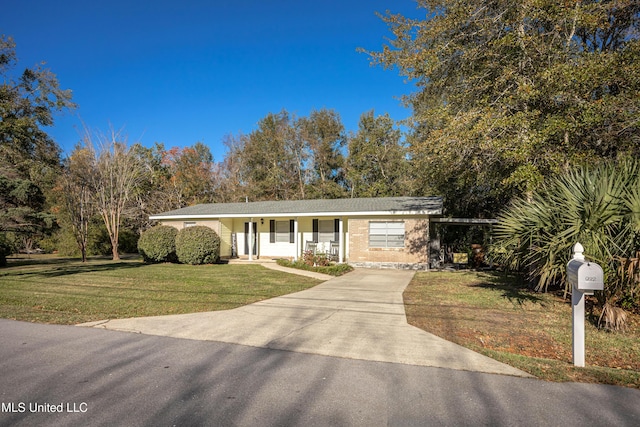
x,y
299,214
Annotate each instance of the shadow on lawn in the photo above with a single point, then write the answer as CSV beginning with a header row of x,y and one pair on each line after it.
x,y
512,286
32,260
55,267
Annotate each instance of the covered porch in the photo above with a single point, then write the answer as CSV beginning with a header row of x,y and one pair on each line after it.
x,y
283,237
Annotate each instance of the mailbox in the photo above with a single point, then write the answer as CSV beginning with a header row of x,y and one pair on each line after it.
x,y
585,276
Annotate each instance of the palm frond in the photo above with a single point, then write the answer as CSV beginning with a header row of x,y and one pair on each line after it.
x,y
596,206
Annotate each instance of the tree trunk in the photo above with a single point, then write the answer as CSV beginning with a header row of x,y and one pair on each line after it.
x,y
114,249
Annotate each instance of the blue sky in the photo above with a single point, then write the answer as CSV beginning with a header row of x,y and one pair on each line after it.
x,y
180,72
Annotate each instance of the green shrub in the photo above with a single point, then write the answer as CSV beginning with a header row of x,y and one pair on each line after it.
x,y
49,243
336,269
158,244
98,242
128,241
62,242
332,270
6,249
197,245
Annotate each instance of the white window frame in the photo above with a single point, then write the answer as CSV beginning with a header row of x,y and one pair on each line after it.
x,y
386,234
188,224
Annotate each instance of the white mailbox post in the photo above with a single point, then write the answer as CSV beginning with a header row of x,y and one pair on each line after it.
x,y
584,277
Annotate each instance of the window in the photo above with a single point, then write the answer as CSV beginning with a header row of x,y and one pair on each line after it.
x,y
386,234
326,231
188,224
281,231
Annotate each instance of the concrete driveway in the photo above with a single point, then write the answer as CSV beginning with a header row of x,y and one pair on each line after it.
x,y
359,315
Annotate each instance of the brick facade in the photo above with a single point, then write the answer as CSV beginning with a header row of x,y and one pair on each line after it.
x,y
413,252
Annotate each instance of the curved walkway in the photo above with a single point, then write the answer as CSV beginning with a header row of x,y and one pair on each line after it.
x,y
359,315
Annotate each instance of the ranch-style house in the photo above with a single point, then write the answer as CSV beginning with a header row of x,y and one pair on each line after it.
x,y
392,232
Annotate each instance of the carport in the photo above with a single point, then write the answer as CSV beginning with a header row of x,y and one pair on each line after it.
x,y
441,254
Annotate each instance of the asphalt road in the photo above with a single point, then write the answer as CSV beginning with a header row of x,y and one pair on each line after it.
x,y
110,378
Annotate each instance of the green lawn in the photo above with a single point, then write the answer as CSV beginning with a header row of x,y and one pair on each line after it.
x,y
496,315
64,291
489,313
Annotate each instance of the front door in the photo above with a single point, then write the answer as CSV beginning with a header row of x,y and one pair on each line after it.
x,y
246,238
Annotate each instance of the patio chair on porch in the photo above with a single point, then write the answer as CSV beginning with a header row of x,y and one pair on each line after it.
x,y
311,247
334,250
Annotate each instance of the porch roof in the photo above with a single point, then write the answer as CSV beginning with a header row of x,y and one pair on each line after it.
x,y
319,207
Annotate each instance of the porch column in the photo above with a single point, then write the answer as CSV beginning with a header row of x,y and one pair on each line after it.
x,y
428,236
250,239
341,242
296,240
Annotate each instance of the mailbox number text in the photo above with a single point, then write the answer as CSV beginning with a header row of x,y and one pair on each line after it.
x,y
590,278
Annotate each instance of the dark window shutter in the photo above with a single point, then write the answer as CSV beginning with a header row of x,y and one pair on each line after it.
x,y
315,231
272,231
336,229
292,237
246,238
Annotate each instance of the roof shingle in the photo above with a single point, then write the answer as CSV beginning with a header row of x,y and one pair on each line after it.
x,y
394,205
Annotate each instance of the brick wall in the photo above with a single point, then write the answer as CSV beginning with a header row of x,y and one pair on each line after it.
x,y
415,243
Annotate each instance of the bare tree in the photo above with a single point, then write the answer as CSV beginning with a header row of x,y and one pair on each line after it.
x,y
230,175
77,196
116,175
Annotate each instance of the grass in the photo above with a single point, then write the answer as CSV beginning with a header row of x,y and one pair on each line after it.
x,y
66,291
497,316
489,313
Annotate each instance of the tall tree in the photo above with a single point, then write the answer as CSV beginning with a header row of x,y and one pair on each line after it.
x,y
324,135
116,175
29,158
154,193
377,164
191,173
77,196
512,92
230,174
273,158
172,179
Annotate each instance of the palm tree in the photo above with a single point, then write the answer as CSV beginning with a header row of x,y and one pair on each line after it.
x,y
596,206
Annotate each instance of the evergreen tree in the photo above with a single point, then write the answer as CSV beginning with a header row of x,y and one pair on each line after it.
x,y
29,158
324,134
510,93
377,165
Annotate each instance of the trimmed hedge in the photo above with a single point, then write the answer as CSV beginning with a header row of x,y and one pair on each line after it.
x,y
197,245
158,244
